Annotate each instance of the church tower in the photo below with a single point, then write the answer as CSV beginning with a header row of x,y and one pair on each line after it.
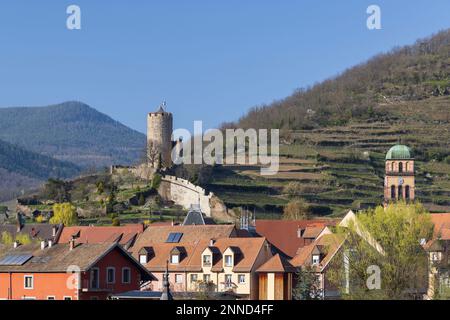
x,y
159,138
399,182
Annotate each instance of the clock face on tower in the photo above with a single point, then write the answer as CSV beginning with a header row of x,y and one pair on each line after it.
x,y
400,181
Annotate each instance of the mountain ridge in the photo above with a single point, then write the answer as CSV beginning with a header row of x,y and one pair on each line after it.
x,y
71,131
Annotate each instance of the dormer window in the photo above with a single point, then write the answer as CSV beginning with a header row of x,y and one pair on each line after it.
x,y
315,259
143,258
228,261
175,255
144,255
174,258
207,260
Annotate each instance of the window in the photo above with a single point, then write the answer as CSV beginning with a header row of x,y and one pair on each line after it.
x,y
28,282
315,259
407,192
206,278
178,278
392,166
400,167
67,298
110,275
143,258
228,261
193,278
207,261
228,281
393,194
400,192
406,166
126,275
175,259
51,298
95,278
241,278
174,237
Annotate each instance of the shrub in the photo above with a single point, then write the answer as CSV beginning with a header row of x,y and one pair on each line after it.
x,y
23,238
116,222
7,238
297,209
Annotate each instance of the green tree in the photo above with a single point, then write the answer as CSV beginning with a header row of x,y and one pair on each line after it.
x,y
296,209
156,181
7,238
23,238
64,213
308,285
141,200
398,230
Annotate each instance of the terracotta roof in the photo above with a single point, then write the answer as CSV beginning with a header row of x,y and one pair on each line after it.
x,y
41,231
441,223
125,235
327,244
246,251
312,232
276,264
191,234
284,234
58,258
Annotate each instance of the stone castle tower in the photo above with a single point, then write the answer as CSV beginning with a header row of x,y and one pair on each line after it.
x,y
399,183
159,138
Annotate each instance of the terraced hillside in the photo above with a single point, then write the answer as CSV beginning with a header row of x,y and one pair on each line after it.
x,y
342,167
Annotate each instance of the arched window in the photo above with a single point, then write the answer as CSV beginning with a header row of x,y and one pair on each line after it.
x,y
407,193
392,166
400,192
406,167
393,196
400,167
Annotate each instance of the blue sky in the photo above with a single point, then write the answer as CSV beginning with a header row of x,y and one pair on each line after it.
x,y
211,60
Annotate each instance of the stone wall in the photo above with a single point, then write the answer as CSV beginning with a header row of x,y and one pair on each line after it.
x,y
184,193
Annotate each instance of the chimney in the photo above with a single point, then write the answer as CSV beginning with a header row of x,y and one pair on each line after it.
x,y
211,242
42,245
15,244
50,243
54,231
299,232
71,244
19,221
172,223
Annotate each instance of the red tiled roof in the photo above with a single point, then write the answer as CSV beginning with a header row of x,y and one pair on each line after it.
x,y
191,254
441,223
283,234
328,244
190,234
276,264
124,235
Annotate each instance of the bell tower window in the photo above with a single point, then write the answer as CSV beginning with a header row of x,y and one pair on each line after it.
x,y
407,193
400,167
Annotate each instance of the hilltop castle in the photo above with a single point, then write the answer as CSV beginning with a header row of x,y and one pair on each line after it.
x,y
159,138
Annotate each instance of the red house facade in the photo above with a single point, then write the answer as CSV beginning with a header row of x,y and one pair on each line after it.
x,y
68,272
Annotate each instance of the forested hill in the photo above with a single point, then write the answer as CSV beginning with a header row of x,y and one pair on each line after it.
x,y
412,73
21,169
71,131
